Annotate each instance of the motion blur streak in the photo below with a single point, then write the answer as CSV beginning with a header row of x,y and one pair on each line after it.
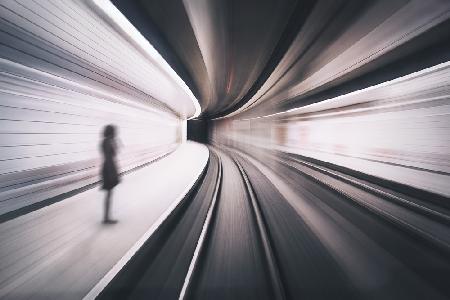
x,y
396,130
318,165
123,23
65,73
383,31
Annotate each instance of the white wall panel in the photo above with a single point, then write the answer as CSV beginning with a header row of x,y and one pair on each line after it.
x,y
65,73
398,130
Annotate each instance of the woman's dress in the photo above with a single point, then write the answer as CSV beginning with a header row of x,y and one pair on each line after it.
x,y
110,176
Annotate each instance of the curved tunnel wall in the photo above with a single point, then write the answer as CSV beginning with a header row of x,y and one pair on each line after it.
x,y
397,130
56,97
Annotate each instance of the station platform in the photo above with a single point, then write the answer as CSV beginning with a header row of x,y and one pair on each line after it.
x,y
63,251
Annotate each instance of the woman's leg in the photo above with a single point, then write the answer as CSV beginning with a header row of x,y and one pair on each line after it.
x,y
107,205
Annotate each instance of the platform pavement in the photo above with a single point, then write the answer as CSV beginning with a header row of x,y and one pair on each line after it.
x,y
62,251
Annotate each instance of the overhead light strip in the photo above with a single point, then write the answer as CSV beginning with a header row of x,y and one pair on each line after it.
x,y
337,99
120,20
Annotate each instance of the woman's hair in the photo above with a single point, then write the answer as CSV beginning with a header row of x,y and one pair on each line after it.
x,y
109,131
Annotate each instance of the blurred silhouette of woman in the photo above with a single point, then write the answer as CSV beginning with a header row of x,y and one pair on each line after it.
x,y
110,175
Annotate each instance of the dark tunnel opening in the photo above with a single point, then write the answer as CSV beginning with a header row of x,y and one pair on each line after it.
x,y
198,130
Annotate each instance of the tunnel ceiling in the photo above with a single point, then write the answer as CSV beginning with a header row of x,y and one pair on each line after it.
x,y
259,57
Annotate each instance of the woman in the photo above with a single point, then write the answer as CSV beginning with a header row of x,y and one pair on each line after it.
x,y
110,176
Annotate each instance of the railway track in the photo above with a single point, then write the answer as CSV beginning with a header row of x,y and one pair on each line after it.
x,y
236,236
184,259
216,274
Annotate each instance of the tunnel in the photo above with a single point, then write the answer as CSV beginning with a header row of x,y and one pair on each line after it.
x,y
224,149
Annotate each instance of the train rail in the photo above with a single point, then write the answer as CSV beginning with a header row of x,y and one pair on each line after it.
x,y
178,260
237,236
162,266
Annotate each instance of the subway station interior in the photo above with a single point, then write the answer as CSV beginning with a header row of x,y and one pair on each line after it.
x,y
224,149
